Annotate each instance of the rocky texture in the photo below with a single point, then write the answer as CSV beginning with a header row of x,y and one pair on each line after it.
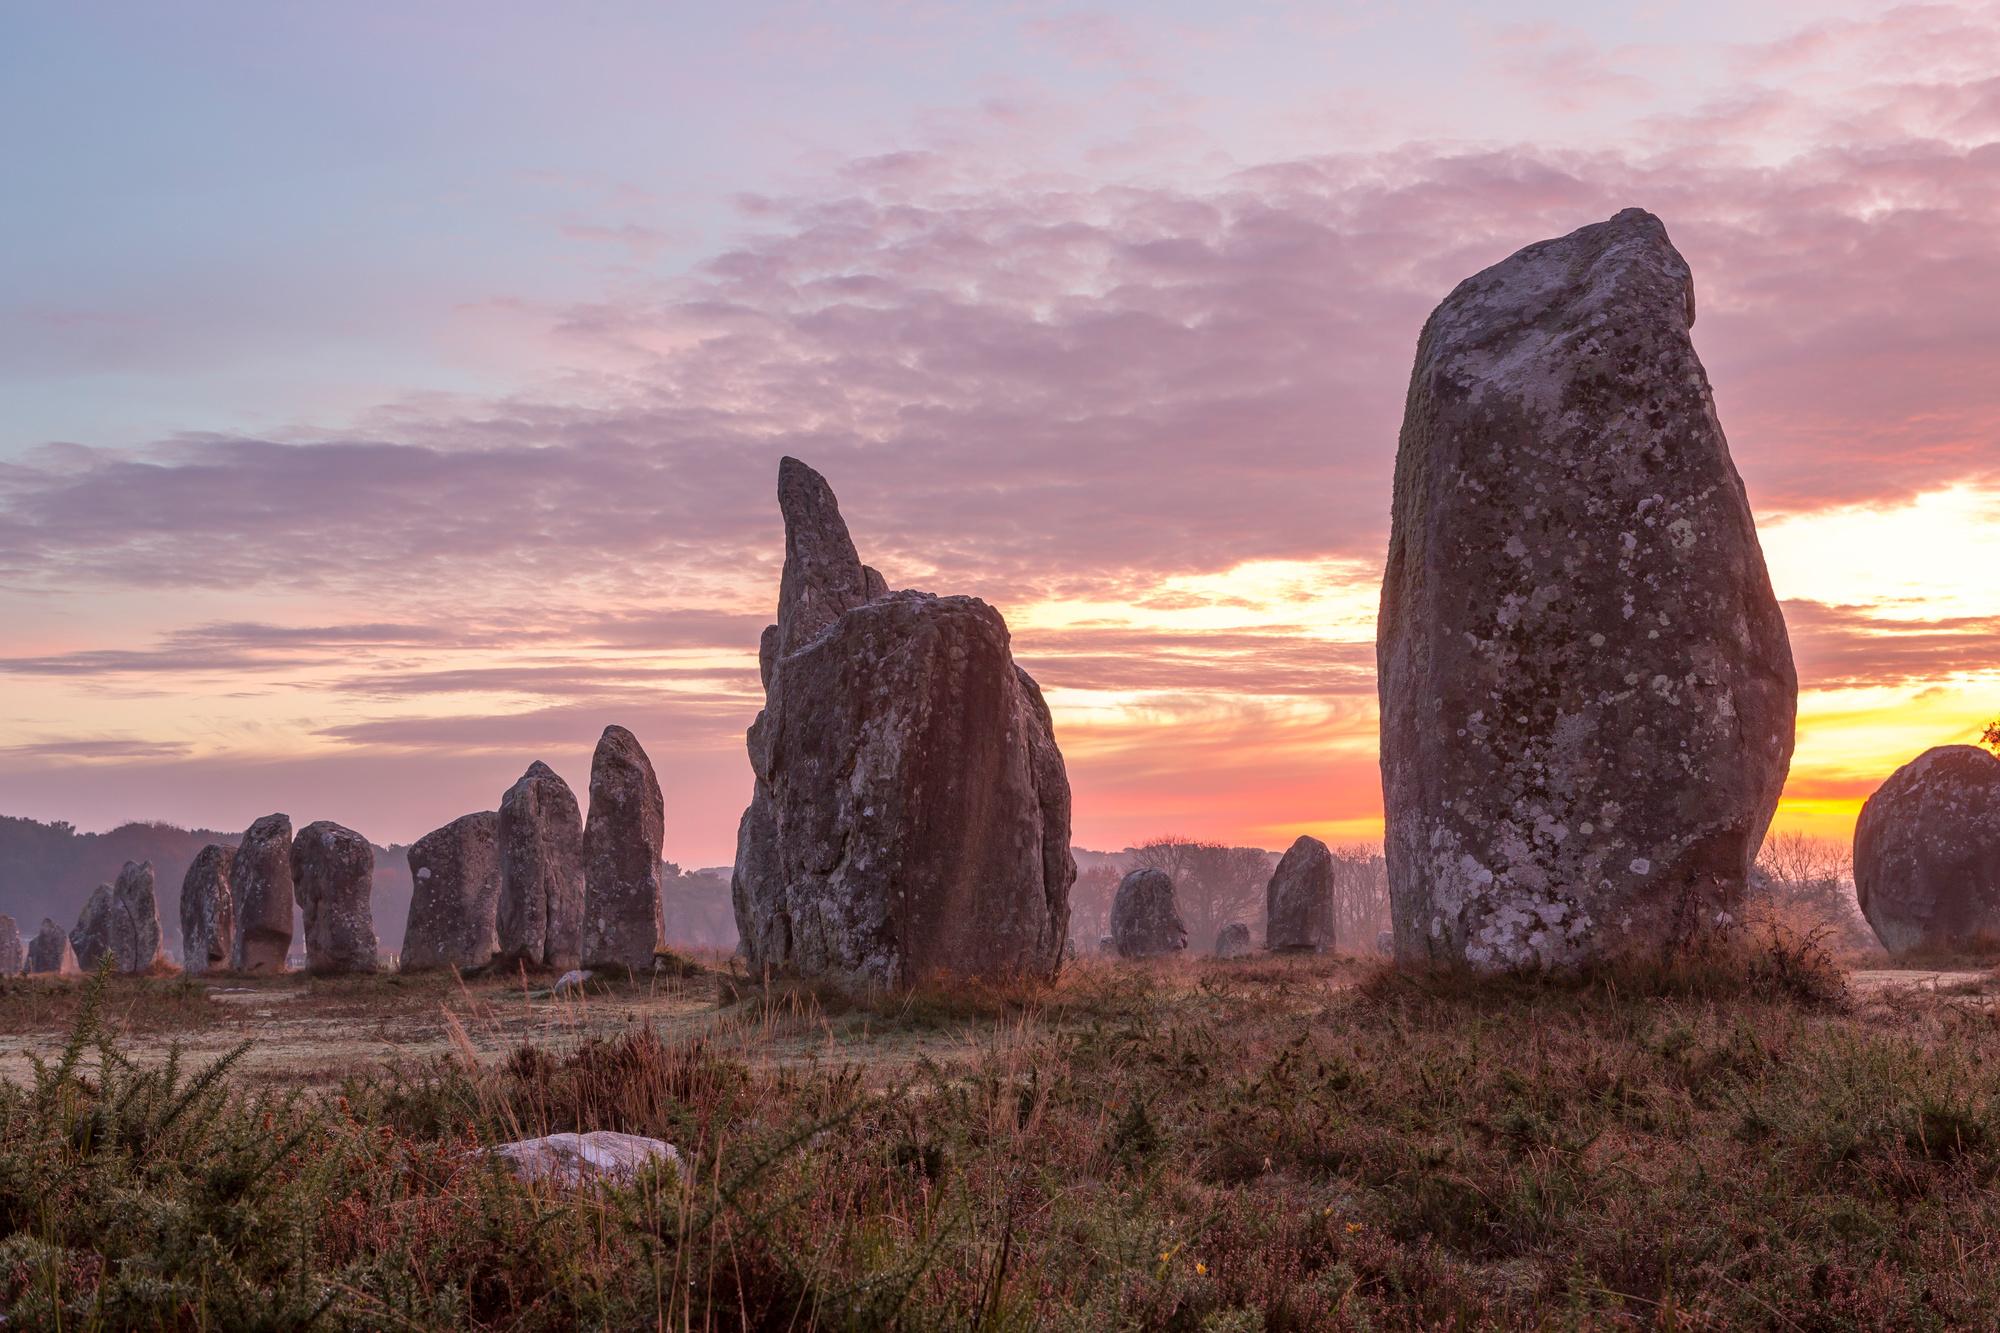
x,y
911,813
1927,853
455,903
122,920
1145,919
333,873
622,841
260,886
12,954
1298,903
1233,941
541,872
580,1159
51,954
1587,691
207,911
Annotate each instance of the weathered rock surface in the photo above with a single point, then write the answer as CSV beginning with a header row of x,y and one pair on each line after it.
x,y
455,904
1298,903
1927,852
911,812
1233,941
51,954
122,920
1145,918
333,873
1587,690
207,910
541,871
260,886
580,1159
13,955
622,840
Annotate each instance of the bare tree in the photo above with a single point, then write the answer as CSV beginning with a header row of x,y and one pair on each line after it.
x,y
1213,884
1810,881
1360,897
1090,906
1990,738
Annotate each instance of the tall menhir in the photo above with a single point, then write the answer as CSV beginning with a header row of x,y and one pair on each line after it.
x,y
1587,691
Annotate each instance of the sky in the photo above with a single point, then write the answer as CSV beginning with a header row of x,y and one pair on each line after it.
x,y
392,395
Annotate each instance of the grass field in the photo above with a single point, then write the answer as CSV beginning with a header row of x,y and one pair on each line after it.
x,y
1747,1137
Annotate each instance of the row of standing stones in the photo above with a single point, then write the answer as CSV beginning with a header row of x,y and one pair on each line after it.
x,y
1587,707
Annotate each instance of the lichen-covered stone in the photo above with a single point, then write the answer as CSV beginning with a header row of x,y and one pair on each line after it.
x,y
1927,853
51,954
333,873
12,953
122,920
1298,902
910,815
541,872
260,886
622,841
1145,917
1587,690
455,898
207,910
1233,941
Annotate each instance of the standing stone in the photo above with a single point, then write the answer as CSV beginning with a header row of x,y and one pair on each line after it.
x,y
1587,691
207,910
1298,903
122,920
454,909
260,886
1233,941
910,815
1145,919
51,954
1927,853
622,841
541,872
12,955
333,872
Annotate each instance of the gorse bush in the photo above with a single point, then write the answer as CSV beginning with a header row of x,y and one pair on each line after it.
x,y
1715,1141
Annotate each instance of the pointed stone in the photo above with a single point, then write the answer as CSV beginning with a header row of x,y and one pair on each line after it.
x,y
541,872
333,873
207,910
622,840
910,815
1298,903
454,909
122,920
1927,853
13,954
260,885
1587,692
1145,917
51,954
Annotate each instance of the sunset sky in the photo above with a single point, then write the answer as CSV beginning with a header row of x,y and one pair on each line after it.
x,y
393,394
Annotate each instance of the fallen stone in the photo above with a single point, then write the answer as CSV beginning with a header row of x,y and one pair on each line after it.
x,y
1587,692
622,841
333,873
1927,853
581,1159
207,910
1145,919
455,898
910,815
540,916
1233,941
260,885
1299,900
51,954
